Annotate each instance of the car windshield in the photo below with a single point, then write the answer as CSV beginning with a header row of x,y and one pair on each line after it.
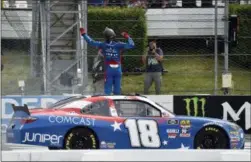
x,y
62,102
164,108
75,104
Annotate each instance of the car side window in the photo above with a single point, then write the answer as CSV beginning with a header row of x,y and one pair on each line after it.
x,y
132,108
97,108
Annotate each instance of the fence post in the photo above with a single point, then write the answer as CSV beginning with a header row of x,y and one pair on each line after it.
x,y
83,44
216,48
226,32
43,43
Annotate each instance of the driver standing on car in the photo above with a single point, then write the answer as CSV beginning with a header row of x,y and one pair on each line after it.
x,y
111,51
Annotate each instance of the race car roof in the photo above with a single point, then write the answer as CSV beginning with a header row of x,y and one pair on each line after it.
x,y
93,98
114,97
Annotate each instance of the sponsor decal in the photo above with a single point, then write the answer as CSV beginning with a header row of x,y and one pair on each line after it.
x,y
72,120
212,129
234,133
172,122
234,144
235,114
172,133
109,145
185,123
234,139
235,126
195,105
103,144
172,130
41,138
184,133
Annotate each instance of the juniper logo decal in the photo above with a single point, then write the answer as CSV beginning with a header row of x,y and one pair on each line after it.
x,y
195,105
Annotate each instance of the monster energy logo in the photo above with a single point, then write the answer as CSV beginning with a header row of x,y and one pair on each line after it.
x,y
196,102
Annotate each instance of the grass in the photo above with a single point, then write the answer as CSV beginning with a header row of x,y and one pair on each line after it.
x,y
192,75
16,67
186,75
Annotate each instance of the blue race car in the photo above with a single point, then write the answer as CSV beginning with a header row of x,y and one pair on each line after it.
x,y
118,122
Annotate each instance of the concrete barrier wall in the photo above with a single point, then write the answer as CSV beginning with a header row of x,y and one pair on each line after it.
x,y
127,155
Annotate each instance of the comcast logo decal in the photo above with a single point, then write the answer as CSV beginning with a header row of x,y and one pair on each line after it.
x,y
195,105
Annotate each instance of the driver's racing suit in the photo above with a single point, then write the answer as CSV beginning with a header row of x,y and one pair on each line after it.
x,y
111,52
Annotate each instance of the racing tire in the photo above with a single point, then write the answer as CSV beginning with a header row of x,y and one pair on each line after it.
x,y
81,138
211,137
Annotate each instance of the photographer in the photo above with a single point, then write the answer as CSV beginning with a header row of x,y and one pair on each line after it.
x,y
154,68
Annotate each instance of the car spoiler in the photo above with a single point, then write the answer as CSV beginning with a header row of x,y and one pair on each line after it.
x,y
21,108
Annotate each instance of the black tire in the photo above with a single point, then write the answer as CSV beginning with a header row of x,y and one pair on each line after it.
x,y
53,148
211,137
81,138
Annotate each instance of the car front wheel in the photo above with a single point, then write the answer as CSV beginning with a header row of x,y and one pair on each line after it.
x,y
211,137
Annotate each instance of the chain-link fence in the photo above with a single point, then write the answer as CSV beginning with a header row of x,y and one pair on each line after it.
x,y
41,45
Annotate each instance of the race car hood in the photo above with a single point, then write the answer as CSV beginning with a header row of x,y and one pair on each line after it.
x,y
207,120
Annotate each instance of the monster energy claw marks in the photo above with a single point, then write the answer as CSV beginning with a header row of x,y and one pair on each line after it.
x,y
195,106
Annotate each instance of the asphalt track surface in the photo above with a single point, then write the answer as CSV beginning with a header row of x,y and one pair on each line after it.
x,y
10,147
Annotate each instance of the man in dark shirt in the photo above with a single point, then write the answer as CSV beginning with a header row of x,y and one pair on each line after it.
x,y
154,68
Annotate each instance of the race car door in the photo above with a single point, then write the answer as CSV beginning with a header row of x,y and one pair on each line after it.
x,y
144,123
